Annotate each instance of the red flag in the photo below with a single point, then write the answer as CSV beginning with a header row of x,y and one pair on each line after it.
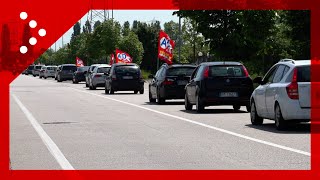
x,y
79,62
122,57
111,59
165,47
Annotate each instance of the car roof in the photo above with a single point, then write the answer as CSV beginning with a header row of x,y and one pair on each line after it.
x,y
68,65
180,65
295,62
124,64
216,63
105,65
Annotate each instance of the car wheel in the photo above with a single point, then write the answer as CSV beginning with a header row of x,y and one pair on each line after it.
x,y
106,91
141,91
111,91
59,79
199,104
87,85
34,75
152,100
248,108
135,92
236,107
160,100
279,121
187,104
255,118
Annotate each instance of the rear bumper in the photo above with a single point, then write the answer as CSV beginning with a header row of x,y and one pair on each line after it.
x,y
80,78
134,85
172,92
240,101
291,110
66,76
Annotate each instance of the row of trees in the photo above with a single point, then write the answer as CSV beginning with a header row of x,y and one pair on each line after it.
x,y
253,37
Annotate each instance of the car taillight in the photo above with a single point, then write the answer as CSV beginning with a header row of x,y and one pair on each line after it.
x,y
97,75
168,81
206,72
246,73
292,88
114,77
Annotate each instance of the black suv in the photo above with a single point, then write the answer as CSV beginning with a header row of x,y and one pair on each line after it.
x,y
66,72
219,83
124,77
169,82
79,75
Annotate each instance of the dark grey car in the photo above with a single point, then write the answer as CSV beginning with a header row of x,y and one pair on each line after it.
x,y
66,72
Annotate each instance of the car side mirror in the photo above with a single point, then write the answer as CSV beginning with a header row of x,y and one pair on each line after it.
x,y
258,80
150,76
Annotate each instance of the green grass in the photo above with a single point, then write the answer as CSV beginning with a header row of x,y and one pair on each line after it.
x,y
145,74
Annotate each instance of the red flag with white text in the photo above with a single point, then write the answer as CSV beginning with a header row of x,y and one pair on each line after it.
x,y
165,47
79,62
122,57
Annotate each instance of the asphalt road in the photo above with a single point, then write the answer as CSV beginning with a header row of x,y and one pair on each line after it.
x,y
67,126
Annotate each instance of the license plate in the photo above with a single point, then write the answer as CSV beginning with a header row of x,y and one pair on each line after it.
x,y
229,94
127,77
182,83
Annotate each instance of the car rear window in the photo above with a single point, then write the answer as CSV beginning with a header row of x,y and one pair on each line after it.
x,y
31,67
38,67
127,69
67,68
180,71
51,68
82,69
103,70
226,71
304,74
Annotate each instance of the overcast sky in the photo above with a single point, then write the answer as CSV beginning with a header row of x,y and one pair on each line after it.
x,y
127,15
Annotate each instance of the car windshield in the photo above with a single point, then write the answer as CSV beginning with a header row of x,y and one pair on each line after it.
x,y
180,71
304,74
82,69
103,70
226,71
132,69
68,68
38,67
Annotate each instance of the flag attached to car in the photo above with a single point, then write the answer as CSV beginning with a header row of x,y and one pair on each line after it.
x,y
122,57
165,47
79,62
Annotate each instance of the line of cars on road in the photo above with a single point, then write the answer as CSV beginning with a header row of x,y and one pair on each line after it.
x,y
283,93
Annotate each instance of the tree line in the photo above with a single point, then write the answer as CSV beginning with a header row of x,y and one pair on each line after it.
x,y
257,38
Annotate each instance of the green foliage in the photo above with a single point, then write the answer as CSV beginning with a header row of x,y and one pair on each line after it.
x,y
133,46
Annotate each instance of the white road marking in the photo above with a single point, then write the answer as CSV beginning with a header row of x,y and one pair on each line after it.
x,y
204,125
52,147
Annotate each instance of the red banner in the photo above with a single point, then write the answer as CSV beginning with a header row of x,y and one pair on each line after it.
x,y
165,47
122,57
79,62
111,59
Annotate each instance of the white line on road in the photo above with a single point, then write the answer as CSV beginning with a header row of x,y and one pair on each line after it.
x,y
204,125
52,147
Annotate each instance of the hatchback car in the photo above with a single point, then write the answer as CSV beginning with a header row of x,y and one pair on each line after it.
x,y
66,72
98,76
89,73
36,70
169,82
29,70
219,83
79,75
283,94
49,71
124,77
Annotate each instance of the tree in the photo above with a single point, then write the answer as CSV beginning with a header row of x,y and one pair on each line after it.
x,y
133,46
76,30
126,28
96,24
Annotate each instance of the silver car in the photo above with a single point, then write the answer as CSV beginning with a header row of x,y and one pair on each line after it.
x,y
89,73
283,94
49,71
98,76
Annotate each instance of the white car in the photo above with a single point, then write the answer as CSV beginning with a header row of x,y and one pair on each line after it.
x,y
283,94
98,76
48,71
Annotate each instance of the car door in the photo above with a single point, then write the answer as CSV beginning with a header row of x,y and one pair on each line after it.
x,y
153,85
260,96
109,77
273,90
191,86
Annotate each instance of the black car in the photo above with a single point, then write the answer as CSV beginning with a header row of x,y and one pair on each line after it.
x,y
66,72
124,77
219,83
169,82
29,70
79,75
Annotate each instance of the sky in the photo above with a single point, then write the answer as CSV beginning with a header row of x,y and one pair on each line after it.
x,y
126,15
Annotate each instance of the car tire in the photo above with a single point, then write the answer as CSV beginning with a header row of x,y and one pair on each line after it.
x,y
199,105
135,92
59,79
160,100
141,91
187,104
74,81
87,85
111,91
236,107
34,75
152,100
248,108
279,121
106,91
255,118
